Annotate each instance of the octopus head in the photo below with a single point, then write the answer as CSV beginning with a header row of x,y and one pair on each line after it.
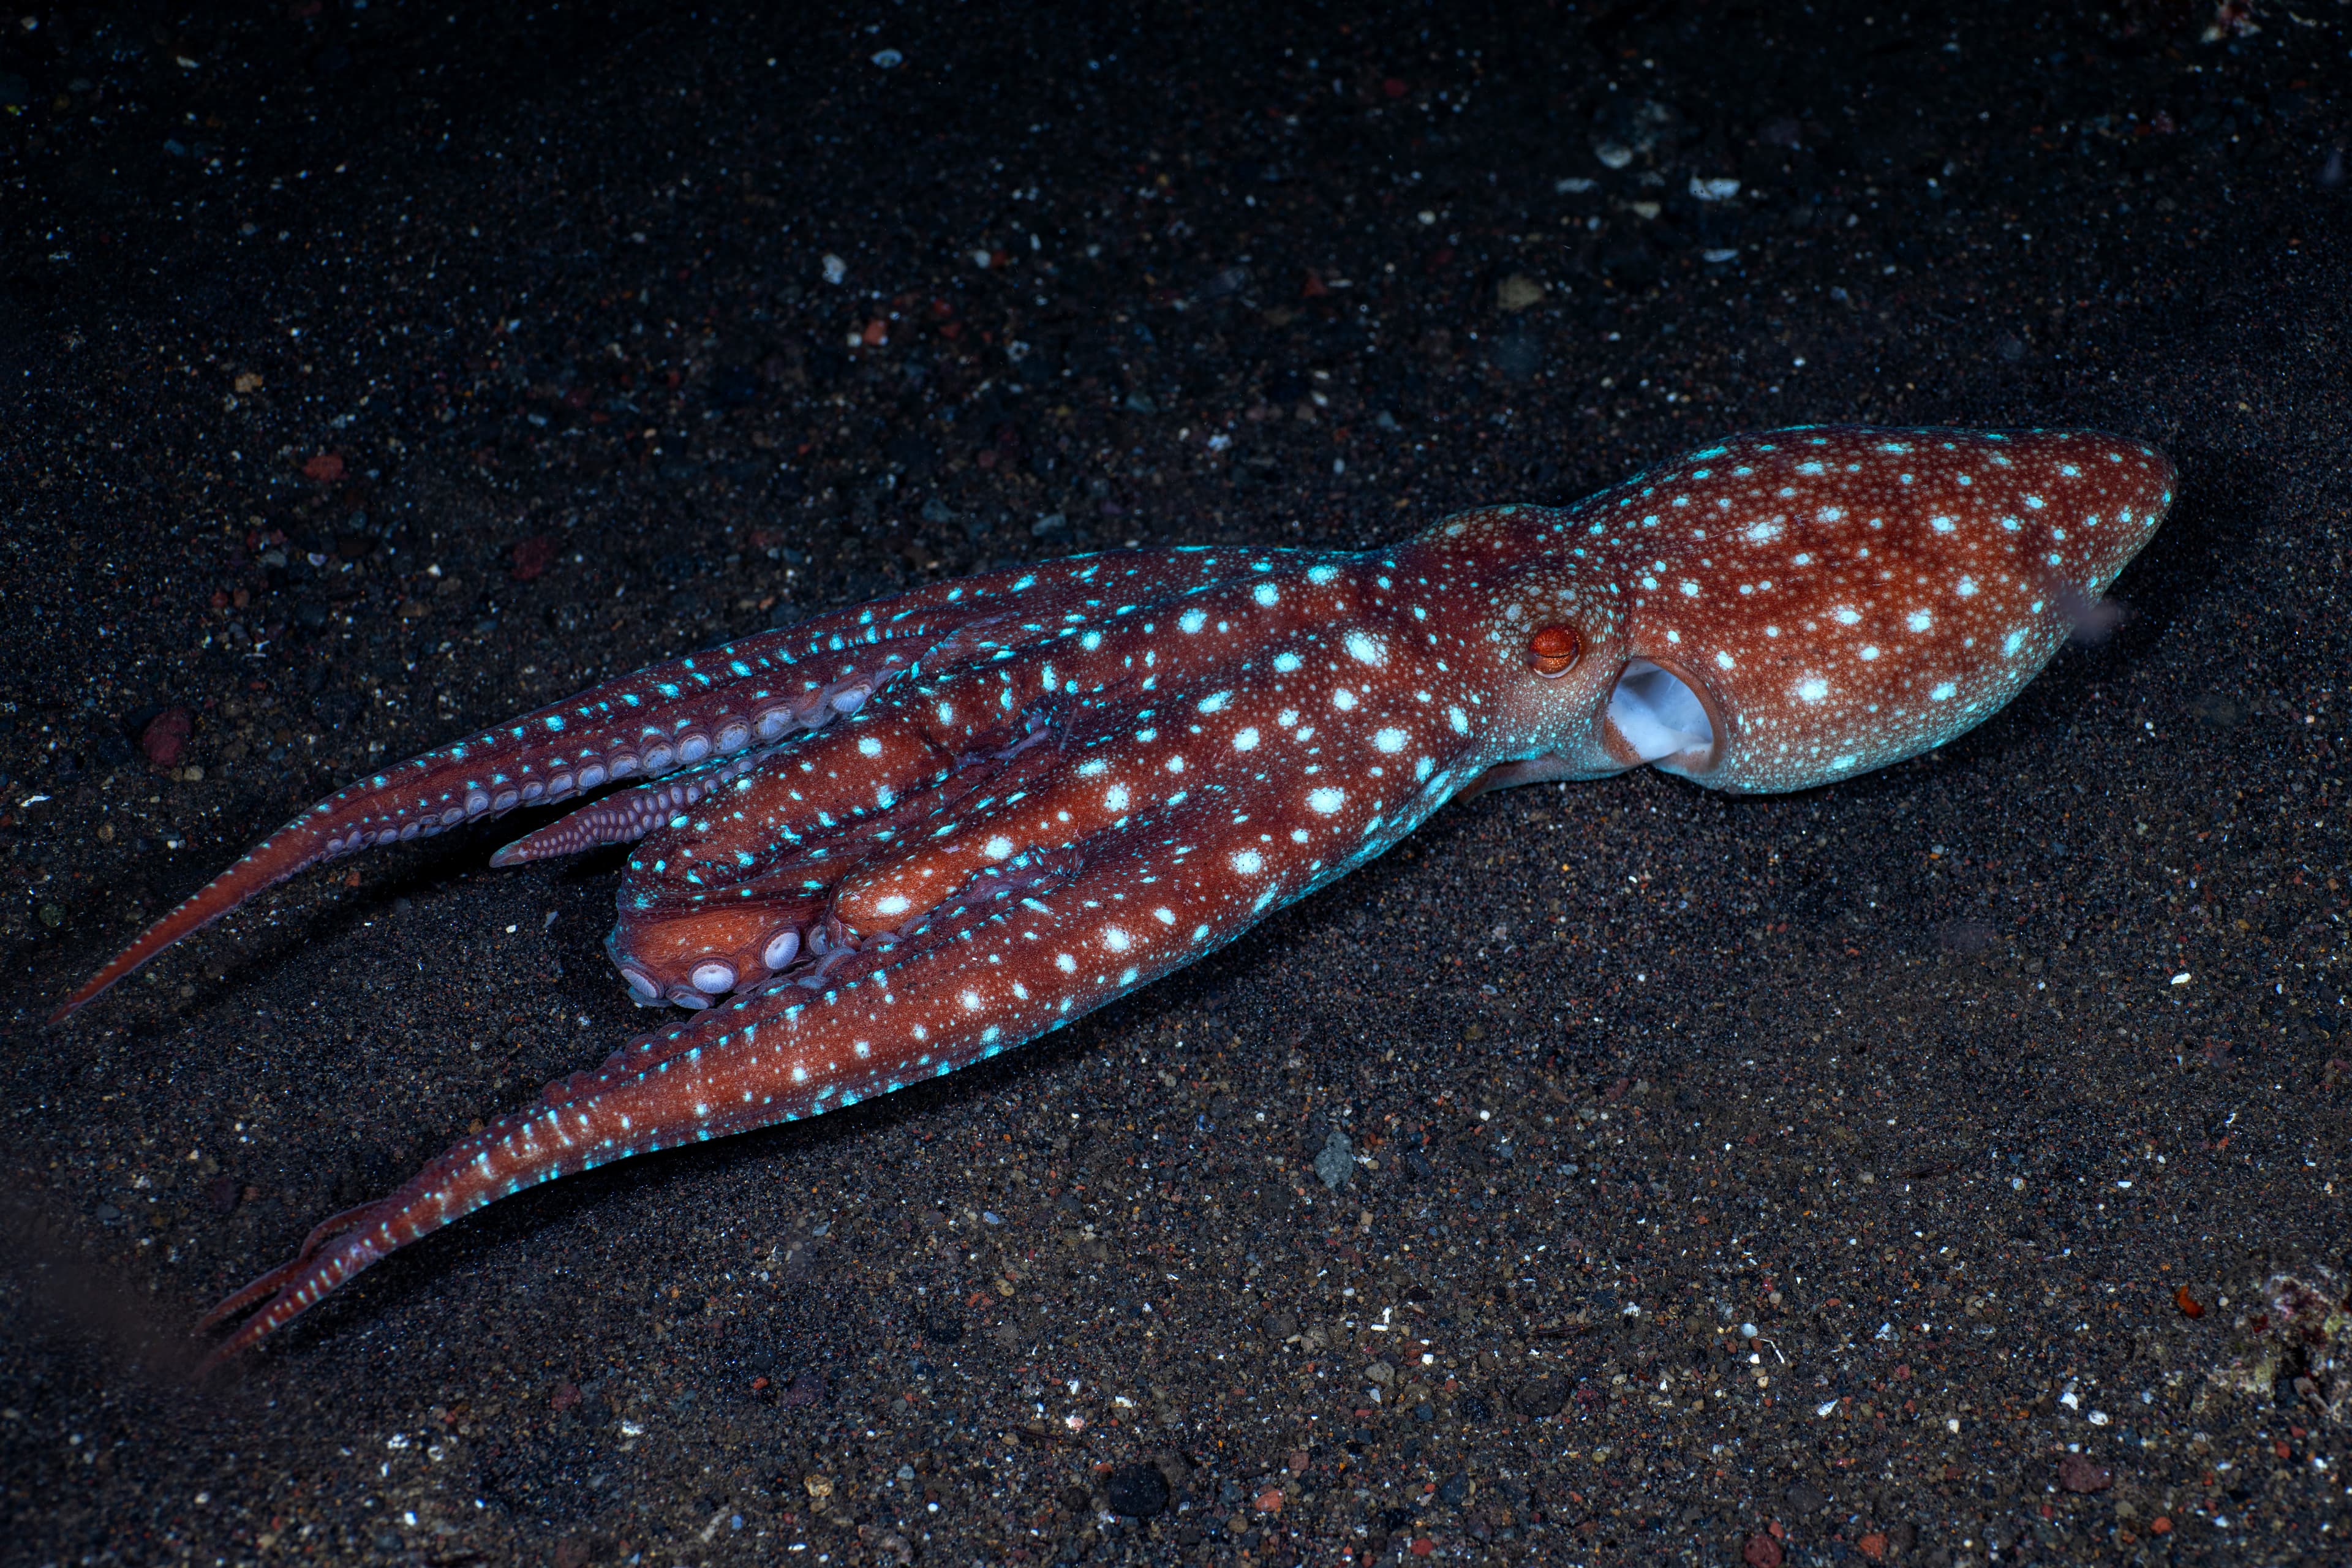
x,y
1790,608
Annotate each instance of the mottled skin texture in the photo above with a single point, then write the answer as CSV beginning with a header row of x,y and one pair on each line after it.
x,y
907,836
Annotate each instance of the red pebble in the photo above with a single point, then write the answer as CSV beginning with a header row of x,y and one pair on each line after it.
x,y
165,737
1762,1551
326,468
532,557
2078,1474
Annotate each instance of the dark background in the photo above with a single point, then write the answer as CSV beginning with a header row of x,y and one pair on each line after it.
x,y
374,373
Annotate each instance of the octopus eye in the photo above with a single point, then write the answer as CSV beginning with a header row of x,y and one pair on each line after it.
x,y
1553,651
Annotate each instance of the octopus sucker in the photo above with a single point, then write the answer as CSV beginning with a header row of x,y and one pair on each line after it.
x,y
911,835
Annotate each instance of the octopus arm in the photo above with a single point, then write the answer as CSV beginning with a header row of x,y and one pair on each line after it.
x,y
729,897
679,714
1024,950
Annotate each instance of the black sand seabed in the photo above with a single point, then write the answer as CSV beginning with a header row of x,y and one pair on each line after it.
x,y
373,375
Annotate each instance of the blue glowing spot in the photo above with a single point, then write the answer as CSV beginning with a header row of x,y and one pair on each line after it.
x,y
1266,594
1942,524
1192,620
1723,660
2034,503
1942,691
1844,762
1389,740
1919,620
1813,689
1248,862
1319,576
1365,649
1326,800
2012,643
1847,617
1966,588
1216,703
1421,769
1286,662
1690,590
1866,653
1459,719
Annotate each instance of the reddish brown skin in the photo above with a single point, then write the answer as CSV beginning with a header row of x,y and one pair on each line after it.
x,y
907,836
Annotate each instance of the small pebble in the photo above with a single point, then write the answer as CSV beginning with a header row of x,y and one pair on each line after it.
x,y
1518,292
1139,1492
1337,1161
532,557
165,736
2079,1473
1540,1397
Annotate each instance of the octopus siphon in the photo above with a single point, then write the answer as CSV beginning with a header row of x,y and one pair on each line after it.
x,y
902,838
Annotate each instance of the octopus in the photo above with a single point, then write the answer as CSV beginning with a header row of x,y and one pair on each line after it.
x,y
909,835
